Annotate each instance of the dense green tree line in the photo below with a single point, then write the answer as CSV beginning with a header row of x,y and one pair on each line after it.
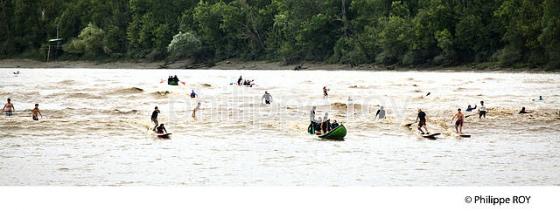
x,y
391,32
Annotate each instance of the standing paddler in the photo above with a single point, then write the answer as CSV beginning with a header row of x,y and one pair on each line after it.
x,y
459,123
155,114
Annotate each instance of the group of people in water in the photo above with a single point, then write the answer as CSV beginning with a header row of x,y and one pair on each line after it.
x,y
458,118
320,125
9,110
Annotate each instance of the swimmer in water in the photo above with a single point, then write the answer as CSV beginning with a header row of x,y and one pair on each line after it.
x,y
470,108
36,112
9,108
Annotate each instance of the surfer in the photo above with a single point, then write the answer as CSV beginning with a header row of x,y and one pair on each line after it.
x,y
155,116
421,119
196,109
9,108
380,113
325,92
523,111
482,110
161,129
193,94
36,112
459,123
267,98
470,108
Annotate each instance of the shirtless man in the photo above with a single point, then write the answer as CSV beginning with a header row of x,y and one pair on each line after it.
x,y
459,123
36,112
9,108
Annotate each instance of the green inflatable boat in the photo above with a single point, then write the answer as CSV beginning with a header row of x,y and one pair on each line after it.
x,y
336,134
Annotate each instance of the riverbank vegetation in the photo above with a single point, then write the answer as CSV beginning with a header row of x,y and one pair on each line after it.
x,y
506,33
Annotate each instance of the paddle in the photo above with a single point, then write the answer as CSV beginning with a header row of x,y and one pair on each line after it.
x,y
409,124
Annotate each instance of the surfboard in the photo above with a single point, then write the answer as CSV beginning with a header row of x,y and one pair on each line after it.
x,y
431,136
464,136
164,135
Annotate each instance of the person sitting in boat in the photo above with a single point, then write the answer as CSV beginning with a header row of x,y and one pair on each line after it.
x,y
161,129
170,80
334,124
175,79
470,108
193,94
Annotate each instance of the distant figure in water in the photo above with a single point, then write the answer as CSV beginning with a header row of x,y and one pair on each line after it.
x,y
540,99
429,93
325,92
523,111
380,113
193,94
9,108
267,98
482,110
460,120
239,80
196,109
36,112
470,108
154,117
421,119
161,129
